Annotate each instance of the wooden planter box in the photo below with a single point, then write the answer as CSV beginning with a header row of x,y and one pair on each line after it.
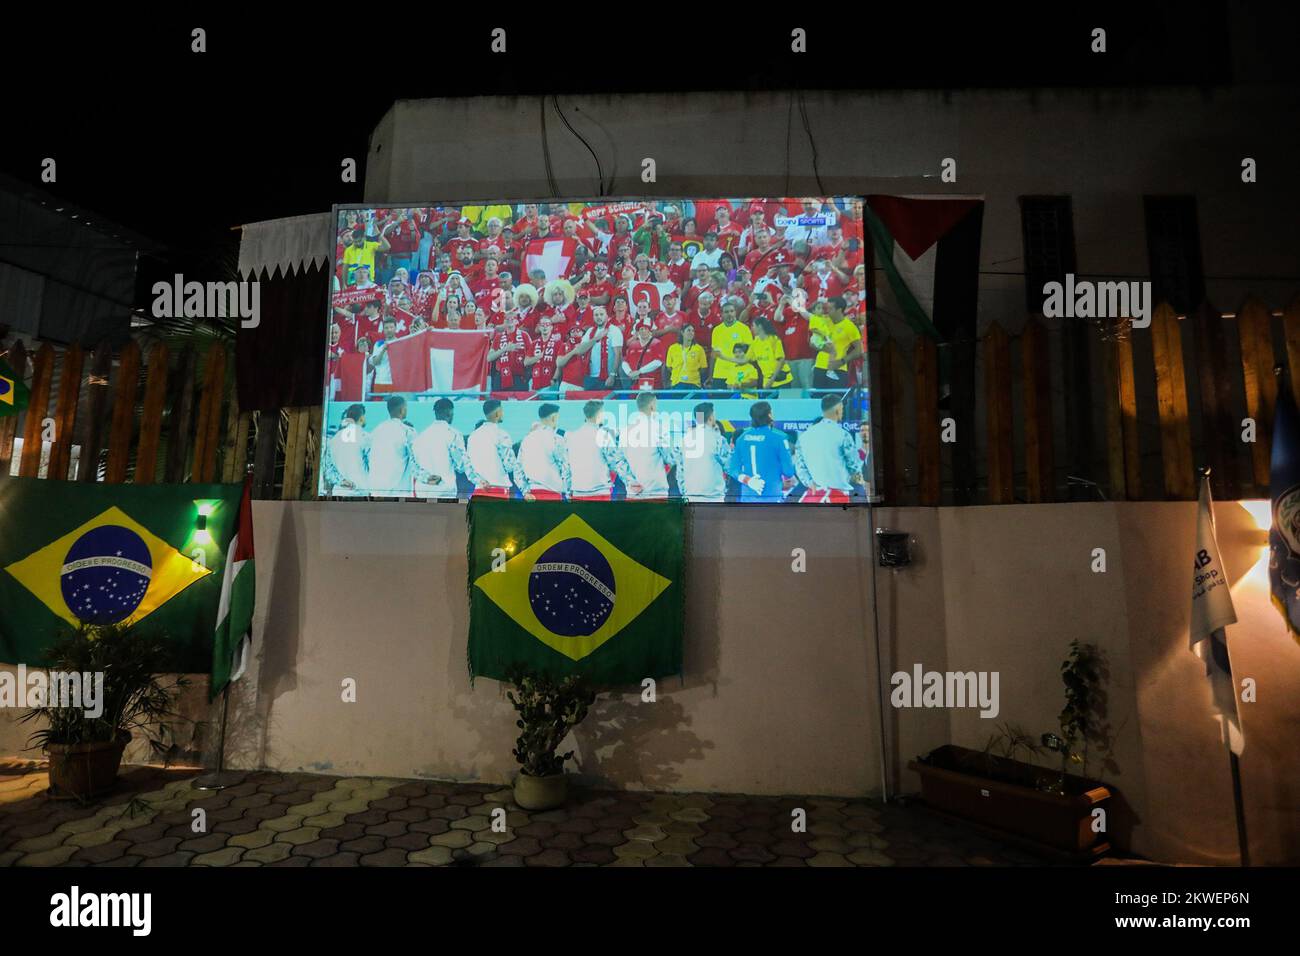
x,y
1059,822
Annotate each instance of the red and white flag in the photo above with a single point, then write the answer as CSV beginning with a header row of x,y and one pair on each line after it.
x,y
458,359
654,291
552,256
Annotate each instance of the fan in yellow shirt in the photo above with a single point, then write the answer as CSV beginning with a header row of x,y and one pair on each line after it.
x,y
726,336
838,340
767,351
741,373
686,360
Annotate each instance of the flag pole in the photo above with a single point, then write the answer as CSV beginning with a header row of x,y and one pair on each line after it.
x,y
1234,762
218,780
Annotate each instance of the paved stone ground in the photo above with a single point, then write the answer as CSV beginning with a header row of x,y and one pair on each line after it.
x,y
299,819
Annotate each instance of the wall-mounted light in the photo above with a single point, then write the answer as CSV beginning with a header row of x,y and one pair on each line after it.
x,y
201,533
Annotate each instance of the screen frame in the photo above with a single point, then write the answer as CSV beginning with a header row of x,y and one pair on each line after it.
x,y
867,501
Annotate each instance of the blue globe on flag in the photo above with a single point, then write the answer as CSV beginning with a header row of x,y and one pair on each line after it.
x,y
571,588
106,574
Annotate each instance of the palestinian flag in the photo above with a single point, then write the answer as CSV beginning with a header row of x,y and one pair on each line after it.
x,y
235,608
13,393
929,248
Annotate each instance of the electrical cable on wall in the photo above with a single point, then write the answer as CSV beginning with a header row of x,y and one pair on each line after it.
x,y
600,175
546,152
807,128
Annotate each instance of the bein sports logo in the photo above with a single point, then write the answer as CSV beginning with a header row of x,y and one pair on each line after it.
x,y
208,300
1085,299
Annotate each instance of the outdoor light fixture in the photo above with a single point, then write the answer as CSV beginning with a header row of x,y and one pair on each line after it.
x,y
201,533
894,548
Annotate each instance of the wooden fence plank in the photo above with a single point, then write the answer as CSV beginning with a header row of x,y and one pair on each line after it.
x,y
295,447
1291,326
997,402
65,413
155,395
17,359
1114,421
1255,326
101,367
1171,390
264,453
316,441
208,430
236,459
182,418
1127,381
1220,435
123,422
927,420
1035,363
42,376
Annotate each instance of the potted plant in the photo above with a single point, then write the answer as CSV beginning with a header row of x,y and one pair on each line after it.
x,y
548,709
84,745
1052,809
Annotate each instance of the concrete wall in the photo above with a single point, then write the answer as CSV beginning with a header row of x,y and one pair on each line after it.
x,y
779,693
1106,149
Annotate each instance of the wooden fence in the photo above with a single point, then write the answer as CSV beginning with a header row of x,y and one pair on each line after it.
x,y
1157,404
152,413
1142,412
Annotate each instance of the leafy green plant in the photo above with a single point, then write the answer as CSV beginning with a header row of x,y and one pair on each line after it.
x,y
134,695
548,709
1083,673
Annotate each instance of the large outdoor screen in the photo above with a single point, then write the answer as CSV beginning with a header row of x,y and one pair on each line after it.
x,y
706,349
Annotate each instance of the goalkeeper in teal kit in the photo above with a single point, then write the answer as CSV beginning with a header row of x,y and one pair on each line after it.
x,y
761,460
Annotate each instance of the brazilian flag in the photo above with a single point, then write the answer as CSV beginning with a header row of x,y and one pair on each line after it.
x,y
82,552
590,588
13,393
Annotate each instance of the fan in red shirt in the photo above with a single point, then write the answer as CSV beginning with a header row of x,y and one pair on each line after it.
x,y
706,213
508,348
527,224
560,296
643,359
668,323
705,316
822,281
463,238
543,355
698,287
574,356
621,316
679,267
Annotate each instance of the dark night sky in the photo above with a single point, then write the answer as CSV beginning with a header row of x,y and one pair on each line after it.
x,y
180,147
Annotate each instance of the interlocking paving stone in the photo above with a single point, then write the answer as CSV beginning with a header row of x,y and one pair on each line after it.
x,y
386,857
298,819
550,857
452,839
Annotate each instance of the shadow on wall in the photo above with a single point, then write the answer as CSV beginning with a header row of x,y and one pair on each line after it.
x,y
277,671
625,743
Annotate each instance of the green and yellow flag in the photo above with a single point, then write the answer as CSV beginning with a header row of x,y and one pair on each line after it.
x,y
82,552
591,588
13,393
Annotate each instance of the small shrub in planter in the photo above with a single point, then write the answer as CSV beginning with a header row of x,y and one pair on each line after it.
x,y
548,709
85,751
1051,808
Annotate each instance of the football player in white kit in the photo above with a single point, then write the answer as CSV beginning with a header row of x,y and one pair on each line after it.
x,y
393,466
490,454
346,467
702,458
826,458
593,456
440,450
542,471
649,451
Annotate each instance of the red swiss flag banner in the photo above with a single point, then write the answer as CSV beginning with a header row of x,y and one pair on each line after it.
x,y
552,256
